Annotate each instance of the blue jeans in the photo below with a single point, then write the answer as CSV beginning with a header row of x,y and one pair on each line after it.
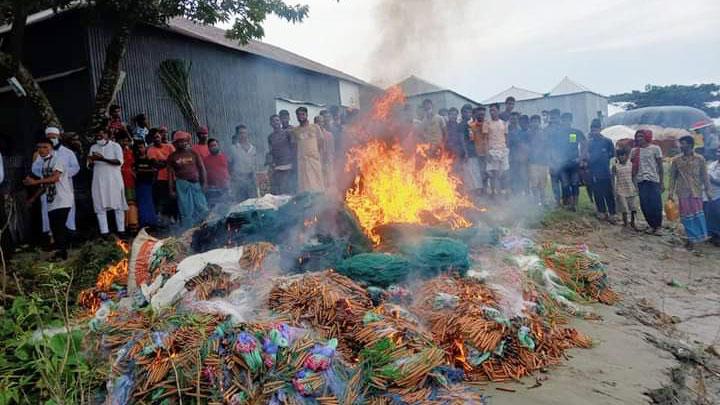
x,y
191,202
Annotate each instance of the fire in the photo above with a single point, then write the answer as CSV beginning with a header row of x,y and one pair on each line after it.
x,y
383,107
114,272
461,356
395,184
391,188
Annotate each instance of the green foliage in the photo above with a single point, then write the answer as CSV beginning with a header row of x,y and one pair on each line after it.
x,y
247,15
85,264
8,8
696,95
175,76
41,353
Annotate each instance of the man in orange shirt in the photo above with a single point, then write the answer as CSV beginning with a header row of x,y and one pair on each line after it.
x,y
159,153
201,147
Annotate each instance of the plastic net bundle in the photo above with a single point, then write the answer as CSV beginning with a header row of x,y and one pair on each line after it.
x,y
431,256
580,270
477,337
375,269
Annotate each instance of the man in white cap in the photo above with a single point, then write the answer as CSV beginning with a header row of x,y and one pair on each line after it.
x,y
72,167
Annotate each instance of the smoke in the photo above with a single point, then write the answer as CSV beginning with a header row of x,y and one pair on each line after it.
x,y
413,36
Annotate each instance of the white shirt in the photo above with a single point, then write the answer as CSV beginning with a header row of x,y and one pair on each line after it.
x,y
67,158
64,195
713,170
2,170
108,189
242,161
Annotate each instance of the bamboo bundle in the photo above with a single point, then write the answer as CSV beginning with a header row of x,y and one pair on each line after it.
x,y
580,270
476,337
254,255
330,303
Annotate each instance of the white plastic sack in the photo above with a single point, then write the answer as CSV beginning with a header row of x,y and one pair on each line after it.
x,y
266,202
174,288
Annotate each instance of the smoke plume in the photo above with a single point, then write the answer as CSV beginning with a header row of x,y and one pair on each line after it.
x,y
413,36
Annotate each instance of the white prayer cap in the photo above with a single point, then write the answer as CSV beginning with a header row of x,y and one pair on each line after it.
x,y
52,130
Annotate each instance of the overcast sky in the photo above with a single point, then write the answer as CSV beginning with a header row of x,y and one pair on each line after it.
x,y
609,46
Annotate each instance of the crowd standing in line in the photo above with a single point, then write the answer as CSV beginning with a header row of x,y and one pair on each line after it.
x,y
168,179
512,154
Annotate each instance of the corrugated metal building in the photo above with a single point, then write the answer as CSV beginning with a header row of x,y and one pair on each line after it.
x,y
230,84
567,96
416,90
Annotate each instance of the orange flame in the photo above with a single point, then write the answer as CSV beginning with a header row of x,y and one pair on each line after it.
x,y
461,357
382,108
117,272
395,185
391,189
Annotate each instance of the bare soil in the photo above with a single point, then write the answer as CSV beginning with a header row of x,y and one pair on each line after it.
x,y
660,344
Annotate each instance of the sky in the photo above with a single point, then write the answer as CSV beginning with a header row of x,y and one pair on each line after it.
x,y
482,47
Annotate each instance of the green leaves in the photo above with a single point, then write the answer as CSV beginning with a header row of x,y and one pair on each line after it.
x,y
247,15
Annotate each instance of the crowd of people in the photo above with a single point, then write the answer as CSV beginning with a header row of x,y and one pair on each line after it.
x,y
513,154
150,177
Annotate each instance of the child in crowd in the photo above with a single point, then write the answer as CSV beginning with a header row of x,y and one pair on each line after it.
x,y
626,192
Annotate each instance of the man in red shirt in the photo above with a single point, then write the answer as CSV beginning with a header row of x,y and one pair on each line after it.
x,y
218,173
201,147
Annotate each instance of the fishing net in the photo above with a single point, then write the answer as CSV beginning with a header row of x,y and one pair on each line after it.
x,y
322,252
375,269
431,256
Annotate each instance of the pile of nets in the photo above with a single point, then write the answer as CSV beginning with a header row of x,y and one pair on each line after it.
x,y
465,320
235,325
205,359
432,256
327,302
376,269
423,258
565,277
580,270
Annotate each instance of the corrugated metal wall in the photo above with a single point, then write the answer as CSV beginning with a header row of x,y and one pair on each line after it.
x,y
583,106
228,87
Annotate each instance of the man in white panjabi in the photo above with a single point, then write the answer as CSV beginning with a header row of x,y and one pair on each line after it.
x,y
70,163
108,191
309,138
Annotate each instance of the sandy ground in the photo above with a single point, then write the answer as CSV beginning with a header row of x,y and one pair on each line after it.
x,y
669,295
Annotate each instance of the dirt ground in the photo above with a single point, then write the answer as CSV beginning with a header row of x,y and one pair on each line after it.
x,y
660,344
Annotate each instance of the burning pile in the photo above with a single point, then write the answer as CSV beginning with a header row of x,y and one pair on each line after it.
x,y
365,334
110,282
394,185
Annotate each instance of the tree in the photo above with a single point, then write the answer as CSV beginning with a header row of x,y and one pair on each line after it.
x,y
705,97
15,12
124,16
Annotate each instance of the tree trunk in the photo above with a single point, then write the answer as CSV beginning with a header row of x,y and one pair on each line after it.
x,y
110,75
11,65
17,33
35,94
